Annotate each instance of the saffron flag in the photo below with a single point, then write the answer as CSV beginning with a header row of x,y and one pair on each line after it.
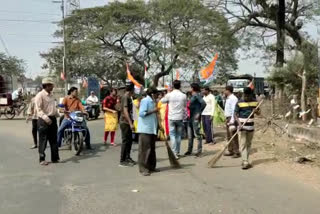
x,y
251,85
207,74
131,78
84,83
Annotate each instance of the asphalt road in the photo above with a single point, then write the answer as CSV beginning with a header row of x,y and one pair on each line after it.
x,y
94,184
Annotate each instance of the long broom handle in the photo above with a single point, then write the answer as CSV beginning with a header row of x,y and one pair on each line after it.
x,y
252,113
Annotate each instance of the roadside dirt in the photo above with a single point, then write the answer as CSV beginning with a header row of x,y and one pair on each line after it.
x,y
275,153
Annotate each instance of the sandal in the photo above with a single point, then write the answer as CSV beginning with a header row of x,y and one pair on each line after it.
x,y
44,163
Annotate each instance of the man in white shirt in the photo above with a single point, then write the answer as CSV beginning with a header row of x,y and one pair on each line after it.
x,y
207,115
17,94
92,99
231,102
177,102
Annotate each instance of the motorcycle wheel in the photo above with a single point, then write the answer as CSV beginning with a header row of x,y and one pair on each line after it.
x,y
78,142
9,113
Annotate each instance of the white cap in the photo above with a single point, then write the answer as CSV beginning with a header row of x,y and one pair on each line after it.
x,y
48,80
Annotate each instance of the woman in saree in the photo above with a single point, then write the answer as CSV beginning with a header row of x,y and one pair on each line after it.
x,y
110,116
162,135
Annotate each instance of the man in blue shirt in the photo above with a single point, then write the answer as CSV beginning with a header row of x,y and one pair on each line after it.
x,y
147,129
197,105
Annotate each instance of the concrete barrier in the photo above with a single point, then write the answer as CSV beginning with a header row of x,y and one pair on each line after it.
x,y
310,135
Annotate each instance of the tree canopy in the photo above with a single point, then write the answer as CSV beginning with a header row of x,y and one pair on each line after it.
x,y
10,65
162,34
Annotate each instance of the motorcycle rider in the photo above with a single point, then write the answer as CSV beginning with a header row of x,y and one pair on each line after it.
x,y
94,102
92,99
72,103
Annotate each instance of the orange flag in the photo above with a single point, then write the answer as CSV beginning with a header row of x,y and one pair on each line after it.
x,y
131,78
208,71
84,83
251,85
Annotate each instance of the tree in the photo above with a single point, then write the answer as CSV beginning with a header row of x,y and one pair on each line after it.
x,y
10,65
163,34
258,22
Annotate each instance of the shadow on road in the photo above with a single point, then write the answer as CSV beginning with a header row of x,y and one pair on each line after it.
x,y
86,154
169,168
264,160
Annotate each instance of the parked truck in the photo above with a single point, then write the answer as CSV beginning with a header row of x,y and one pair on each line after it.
x,y
242,81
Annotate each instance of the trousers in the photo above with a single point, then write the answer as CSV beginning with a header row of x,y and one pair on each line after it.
x,y
126,136
194,132
35,131
147,159
233,147
48,133
245,144
207,126
176,128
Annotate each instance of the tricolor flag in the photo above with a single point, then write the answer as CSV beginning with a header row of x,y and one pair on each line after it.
x,y
146,76
137,85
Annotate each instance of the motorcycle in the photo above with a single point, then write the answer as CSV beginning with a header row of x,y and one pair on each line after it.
x,y
75,134
93,110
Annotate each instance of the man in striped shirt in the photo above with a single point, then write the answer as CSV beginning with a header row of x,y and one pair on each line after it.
x,y
243,110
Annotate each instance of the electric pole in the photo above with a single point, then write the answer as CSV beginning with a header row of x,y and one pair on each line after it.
x,y
318,55
66,9
281,18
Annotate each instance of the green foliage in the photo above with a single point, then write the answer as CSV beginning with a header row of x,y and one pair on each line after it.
x,y
164,34
10,65
289,77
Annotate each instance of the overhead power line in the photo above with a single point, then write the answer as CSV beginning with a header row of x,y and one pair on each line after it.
x,y
22,20
23,34
27,12
4,45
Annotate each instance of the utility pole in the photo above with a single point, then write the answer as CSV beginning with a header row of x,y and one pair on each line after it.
x,y
281,32
318,57
70,5
64,58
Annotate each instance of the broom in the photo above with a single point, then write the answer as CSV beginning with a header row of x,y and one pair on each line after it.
x,y
215,159
174,163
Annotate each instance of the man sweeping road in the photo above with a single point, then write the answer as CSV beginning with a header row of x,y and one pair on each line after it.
x,y
243,110
147,129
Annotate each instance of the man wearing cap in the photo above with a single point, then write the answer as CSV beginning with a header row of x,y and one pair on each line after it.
x,y
47,122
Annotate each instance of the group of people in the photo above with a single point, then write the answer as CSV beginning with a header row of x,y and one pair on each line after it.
x,y
147,116
44,112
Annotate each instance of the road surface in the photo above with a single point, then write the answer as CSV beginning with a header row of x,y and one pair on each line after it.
x,y
94,183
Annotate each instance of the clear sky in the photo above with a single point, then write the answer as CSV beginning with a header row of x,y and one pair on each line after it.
x,y
27,39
